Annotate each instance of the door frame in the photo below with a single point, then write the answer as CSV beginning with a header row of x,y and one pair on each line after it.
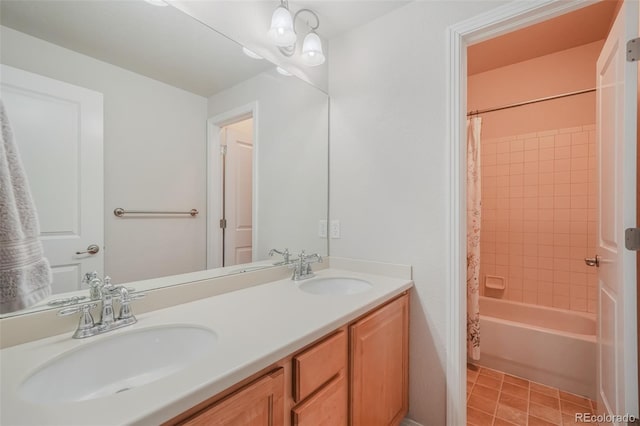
x,y
501,20
214,179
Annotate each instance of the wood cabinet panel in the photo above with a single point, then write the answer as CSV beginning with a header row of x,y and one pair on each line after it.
x,y
379,365
358,376
260,403
326,407
318,364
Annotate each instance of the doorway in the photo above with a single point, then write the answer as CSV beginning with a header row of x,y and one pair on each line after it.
x,y
481,28
537,177
232,187
236,142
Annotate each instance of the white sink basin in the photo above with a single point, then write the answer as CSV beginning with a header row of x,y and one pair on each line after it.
x,y
335,286
117,363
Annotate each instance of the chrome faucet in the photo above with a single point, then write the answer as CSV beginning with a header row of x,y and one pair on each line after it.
x,y
285,254
302,266
94,283
107,290
108,321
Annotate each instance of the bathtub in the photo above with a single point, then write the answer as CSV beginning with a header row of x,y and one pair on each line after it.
x,y
551,346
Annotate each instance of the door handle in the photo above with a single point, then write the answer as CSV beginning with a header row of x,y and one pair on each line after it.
x,y
592,261
92,249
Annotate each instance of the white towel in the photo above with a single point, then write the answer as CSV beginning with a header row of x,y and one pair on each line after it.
x,y
25,275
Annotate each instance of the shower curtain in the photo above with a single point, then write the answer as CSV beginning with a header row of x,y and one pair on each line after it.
x,y
474,126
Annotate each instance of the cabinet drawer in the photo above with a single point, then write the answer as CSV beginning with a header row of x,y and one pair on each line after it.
x,y
318,364
326,407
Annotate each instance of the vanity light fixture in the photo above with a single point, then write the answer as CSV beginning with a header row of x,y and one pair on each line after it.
x,y
160,3
283,71
283,35
251,53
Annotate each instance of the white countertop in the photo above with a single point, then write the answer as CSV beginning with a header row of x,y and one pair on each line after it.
x,y
256,327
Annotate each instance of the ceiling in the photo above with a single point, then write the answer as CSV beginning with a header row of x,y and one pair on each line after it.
x,y
573,29
168,45
159,42
338,17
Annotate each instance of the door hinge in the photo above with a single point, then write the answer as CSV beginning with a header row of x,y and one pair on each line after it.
x,y
633,50
223,150
632,239
223,223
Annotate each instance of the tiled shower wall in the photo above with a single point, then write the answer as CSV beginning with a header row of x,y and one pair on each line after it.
x,y
539,217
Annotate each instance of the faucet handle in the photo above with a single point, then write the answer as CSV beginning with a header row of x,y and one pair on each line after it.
x,y
284,253
95,288
75,309
107,285
86,279
313,256
307,258
135,296
125,308
86,320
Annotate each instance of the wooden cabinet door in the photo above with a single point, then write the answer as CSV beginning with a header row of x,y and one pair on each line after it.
x,y
380,365
260,403
326,407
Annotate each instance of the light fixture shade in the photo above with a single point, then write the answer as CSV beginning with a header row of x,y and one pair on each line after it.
x,y
283,71
160,3
281,31
312,50
250,53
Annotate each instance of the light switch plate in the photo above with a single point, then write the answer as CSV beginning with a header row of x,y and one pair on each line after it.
x,y
322,228
335,229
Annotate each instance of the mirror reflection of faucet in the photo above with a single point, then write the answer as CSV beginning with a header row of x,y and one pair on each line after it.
x,y
284,253
94,282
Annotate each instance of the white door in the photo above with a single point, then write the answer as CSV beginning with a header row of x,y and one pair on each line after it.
x,y
59,133
238,195
616,158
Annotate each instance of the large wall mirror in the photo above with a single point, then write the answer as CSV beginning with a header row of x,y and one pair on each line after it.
x,y
157,139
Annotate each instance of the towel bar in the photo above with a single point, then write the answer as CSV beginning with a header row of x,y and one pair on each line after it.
x,y
119,212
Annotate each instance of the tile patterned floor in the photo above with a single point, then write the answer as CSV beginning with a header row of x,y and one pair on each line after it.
x,y
499,399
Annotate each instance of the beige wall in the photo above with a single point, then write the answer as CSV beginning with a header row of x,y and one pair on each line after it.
x,y
389,168
562,72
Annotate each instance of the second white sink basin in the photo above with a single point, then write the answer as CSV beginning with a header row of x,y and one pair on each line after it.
x,y
335,286
117,363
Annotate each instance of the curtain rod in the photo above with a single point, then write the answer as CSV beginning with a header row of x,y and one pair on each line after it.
x,y
534,101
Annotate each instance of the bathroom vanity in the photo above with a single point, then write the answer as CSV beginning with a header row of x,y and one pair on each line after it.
x,y
329,350
240,344
369,357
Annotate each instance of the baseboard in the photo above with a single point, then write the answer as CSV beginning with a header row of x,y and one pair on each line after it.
x,y
409,422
